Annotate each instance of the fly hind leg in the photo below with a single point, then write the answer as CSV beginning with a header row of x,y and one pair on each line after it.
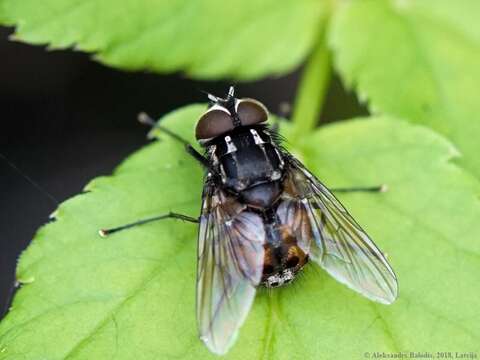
x,y
381,188
170,215
144,118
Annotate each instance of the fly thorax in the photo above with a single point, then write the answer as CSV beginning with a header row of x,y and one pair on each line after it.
x,y
247,157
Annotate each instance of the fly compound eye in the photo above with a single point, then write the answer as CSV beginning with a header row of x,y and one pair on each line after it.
x,y
251,112
213,123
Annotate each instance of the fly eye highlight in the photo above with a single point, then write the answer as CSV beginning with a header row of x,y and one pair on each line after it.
x,y
251,112
212,124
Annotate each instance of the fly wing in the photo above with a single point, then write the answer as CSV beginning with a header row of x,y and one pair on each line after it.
x,y
230,266
339,245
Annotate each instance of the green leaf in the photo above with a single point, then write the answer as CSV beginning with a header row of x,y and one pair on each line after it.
x,y
131,295
418,60
206,38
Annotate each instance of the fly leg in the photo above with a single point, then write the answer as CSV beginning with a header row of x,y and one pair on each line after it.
x,y
170,215
144,118
381,188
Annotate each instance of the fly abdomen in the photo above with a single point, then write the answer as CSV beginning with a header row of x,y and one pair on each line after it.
x,y
282,263
283,258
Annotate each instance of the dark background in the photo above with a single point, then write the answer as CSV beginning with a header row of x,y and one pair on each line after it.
x,y
66,119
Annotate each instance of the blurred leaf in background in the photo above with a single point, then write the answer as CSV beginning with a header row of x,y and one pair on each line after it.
x,y
132,295
206,39
419,60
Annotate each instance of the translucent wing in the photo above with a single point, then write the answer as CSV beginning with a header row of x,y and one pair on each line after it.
x,y
230,265
339,244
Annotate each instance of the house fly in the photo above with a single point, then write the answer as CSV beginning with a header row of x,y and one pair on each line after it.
x,y
264,216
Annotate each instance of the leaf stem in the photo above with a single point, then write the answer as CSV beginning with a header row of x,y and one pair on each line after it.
x,y
313,87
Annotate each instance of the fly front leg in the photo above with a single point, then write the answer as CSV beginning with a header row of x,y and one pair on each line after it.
x,y
144,118
170,215
380,188
147,120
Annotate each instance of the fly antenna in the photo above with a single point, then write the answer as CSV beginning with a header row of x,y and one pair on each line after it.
x,y
214,99
231,92
229,103
218,100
